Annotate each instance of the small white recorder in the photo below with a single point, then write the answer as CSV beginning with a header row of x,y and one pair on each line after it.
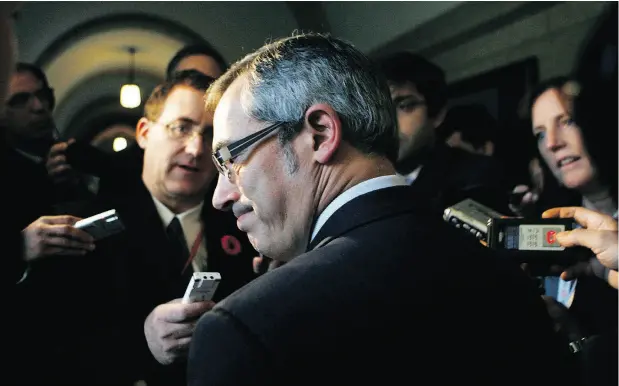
x,y
201,287
101,225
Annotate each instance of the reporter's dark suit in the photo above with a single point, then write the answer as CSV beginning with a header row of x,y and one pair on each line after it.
x,y
450,175
120,283
389,294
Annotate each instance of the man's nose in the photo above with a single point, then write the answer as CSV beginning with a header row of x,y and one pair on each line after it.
x,y
226,193
195,145
37,105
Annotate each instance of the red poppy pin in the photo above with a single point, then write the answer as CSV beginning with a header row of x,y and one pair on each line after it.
x,y
231,245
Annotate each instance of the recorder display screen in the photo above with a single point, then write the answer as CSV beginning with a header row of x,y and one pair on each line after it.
x,y
532,237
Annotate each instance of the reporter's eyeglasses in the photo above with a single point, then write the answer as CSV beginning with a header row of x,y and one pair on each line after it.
x,y
22,99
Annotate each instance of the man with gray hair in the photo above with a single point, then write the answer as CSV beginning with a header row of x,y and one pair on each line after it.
x,y
305,139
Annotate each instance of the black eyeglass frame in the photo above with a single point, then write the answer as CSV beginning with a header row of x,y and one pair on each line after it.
x,y
45,95
226,154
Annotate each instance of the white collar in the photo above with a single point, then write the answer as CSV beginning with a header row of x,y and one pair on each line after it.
x,y
190,219
354,192
412,176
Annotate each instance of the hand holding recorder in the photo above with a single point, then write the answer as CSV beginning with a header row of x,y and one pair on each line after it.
x,y
599,234
523,240
101,225
55,235
169,328
201,287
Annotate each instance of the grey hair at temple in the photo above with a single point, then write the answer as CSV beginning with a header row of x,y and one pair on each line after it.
x,y
291,74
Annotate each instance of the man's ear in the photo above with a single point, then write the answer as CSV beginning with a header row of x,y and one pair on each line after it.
x,y
440,117
141,132
326,131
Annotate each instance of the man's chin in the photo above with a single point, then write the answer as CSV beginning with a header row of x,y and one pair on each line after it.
x,y
407,150
259,247
183,192
254,242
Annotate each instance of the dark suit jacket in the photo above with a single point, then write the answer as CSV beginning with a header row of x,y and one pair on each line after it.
x,y
451,175
104,298
115,171
31,193
388,294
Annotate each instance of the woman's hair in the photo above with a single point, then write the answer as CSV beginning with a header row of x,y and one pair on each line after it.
x,y
600,149
595,107
559,83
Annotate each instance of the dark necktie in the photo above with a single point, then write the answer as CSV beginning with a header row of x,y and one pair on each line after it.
x,y
178,243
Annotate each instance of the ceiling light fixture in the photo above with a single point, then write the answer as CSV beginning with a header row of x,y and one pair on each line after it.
x,y
119,144
130,96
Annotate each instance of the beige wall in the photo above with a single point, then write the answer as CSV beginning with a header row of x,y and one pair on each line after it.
x,y
480,36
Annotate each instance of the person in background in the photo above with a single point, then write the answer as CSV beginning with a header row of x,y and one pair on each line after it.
x,y
582,301
137,329
470,128
564,147
441,175
120,171
13,268
200,57
575,123
19,246
30,134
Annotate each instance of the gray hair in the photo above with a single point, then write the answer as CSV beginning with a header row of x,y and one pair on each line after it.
x,y
289,75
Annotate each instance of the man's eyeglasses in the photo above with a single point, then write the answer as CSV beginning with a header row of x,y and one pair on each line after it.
x,y
226,154
182,130
21,99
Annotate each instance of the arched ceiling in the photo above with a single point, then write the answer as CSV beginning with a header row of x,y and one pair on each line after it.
x,y
82,45
106,51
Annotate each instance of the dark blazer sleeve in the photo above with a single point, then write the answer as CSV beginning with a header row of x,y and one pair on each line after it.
x,y
89,159
224,352
452,175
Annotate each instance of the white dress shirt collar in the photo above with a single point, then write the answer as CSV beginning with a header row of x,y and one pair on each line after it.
x,y
354,192
412,176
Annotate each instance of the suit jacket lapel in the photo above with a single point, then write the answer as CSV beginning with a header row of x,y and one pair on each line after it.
x,y
365,209
432,172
